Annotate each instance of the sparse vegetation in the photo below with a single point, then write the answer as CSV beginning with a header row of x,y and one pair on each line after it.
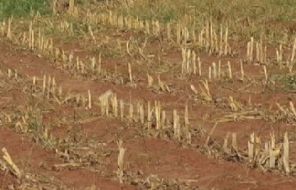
x,y
147,94
23,8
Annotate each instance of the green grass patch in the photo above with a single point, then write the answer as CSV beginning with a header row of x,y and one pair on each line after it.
x,y
287,81
23,8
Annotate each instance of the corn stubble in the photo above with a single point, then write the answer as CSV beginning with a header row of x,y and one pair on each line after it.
x,y
153,118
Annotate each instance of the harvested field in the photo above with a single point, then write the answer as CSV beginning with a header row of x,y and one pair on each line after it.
x,y
143,94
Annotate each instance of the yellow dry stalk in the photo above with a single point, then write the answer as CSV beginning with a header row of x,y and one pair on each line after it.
x,y
163,118
286,150
250,49
131,112
114,104
147,27
142,25
128,48
233,105
77,64
3,28
205,90
34,81
215,43
265,73
56,53
242,71
201,38
120,160
43,48
199,66
157,112
121,109
221,41
211,40
273,152
176,124
24,38
193,61
193,34
251,147
137,112
30,35
169,31
136,24
234,144
92,34
157,28
141,113
53,86
210,73
60,91
229,70
12,166
39,45
110,17
225,144
150,80
89,100
130,73
186,121
264,56
184,60
82,67
15,74
50,45
257,55
293,52
178,33
107,107
186,35
9,73
281,108
64,58
162,85
279,54
48,86
70,59
215,73
207,36
44,85
192,87
129,23
20,126
104,104
211,132
186,116
188,61
100,63
257,147
149,115
9,32
120,22
219,69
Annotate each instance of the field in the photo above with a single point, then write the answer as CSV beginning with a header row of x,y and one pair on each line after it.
x,y
146,94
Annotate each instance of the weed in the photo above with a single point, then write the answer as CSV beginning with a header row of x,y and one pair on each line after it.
x,y
22,8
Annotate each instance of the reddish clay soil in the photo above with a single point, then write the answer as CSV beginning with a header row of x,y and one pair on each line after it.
x,y
80,133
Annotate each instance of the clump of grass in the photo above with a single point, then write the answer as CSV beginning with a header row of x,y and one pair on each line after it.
x,y
287,82
245,18
23,8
